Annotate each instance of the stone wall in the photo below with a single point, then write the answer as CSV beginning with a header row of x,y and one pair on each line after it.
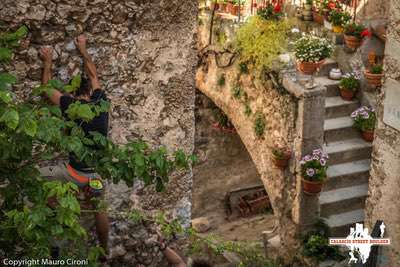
x,y
384,184
145,54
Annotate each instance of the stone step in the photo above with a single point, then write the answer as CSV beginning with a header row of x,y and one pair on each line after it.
x,y
343,199
326,67
336,107
348,150
339,129
340,224
347,174
332,86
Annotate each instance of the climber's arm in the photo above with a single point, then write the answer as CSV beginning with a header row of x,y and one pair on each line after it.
x,y
173,258
90,68
47,57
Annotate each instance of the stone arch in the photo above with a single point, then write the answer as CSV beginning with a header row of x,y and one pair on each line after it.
x,y
279,110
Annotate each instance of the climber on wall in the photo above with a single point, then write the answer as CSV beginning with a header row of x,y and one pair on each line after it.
x,y
75,171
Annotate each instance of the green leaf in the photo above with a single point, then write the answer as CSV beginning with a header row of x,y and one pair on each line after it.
x,y
5,96
76,81
10,118
5,54
56,84
69,88
7,78
29,126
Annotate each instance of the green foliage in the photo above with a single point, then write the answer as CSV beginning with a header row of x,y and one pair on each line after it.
x,y
237,92
243,68
339,18
350,82
377,69
221,80
316,244
222,119
247,109
259,125
270,12
280,153
354,29
260,41
32,131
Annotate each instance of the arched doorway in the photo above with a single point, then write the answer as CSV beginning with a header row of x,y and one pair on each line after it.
x,y
224,176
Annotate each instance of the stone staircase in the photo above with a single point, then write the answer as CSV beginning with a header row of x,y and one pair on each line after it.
x,y
343,197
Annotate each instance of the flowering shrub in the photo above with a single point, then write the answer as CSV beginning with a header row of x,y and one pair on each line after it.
x,y
311,48
314,166
350,81
270,12
339,18
364,118
357,30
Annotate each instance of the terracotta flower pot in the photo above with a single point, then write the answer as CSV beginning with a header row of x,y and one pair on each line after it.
x,y
214,4
318,18
352,41
347,94
235,10
309,67
282,163
229,7
312,188
337,29
222,7
368,135
373,80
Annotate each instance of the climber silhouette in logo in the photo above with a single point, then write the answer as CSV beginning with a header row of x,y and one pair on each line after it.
x,y
89,182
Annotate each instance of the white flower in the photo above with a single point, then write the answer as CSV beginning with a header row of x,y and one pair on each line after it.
x,y
295,30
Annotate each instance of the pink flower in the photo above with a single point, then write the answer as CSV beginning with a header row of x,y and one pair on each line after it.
x,y
310,172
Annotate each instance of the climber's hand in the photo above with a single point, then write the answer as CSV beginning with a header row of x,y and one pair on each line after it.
x,y
46,53
80,43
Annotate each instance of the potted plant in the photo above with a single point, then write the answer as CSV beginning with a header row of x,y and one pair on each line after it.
x,y
310,52
307,11
354,34
222,121
313,171
214,4
318,12
229,6
348,86
281,157
222,5
235,7
270,12
338,20
364,120
374,76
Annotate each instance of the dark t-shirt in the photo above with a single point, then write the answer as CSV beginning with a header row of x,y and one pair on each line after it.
x,y
98,124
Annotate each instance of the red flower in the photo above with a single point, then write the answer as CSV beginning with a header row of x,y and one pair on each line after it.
x,y
277,8
366,33
331,5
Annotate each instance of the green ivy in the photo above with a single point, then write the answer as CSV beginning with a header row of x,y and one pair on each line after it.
x,y
247,109
259,125
237,92
221,80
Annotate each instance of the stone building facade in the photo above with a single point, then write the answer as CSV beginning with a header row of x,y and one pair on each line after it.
x,y
384,184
